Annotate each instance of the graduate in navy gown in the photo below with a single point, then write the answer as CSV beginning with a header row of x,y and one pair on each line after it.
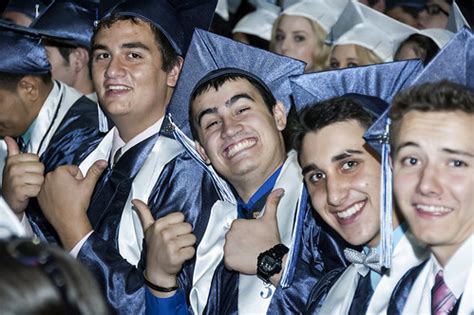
x,y
433,158
343,177
53,124
261,251
137,52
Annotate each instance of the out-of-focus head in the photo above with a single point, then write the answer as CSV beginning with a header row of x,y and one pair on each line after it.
x,y
46,280
23,12
346,56
365,27
301,30
435,14
405,11
255,28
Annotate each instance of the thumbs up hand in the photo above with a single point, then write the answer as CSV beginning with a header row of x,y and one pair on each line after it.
x,y
246,239
22,177
65,197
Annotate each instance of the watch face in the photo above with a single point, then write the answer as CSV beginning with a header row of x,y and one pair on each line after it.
x,y
268,263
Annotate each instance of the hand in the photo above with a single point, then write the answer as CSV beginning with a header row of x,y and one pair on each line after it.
x,y
65,197
246,239
23,177
170,243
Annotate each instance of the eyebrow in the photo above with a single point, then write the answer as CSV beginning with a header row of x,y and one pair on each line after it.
x,y
406,144
308,168
125,45
458,152
345,154
231,101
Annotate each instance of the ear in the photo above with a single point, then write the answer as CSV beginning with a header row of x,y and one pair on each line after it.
x,y
28,89
173,74
279,114
202,152
79,59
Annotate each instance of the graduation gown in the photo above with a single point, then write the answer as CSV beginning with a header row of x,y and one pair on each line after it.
x,y
66,130
342,295
156,170
217,290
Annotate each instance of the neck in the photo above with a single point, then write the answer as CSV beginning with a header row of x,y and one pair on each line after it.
x,y
44,91
396,220
84,84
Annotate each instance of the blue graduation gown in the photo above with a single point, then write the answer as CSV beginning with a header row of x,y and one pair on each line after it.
x,y
182,186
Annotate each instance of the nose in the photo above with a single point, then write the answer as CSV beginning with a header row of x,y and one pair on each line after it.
x,y
337,191
114,68
429,183
230,127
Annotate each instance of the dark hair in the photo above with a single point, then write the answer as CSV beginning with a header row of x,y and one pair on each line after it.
x,y
424,47
39,278
442,96
169,56
64,49
9,81
216,83
323,114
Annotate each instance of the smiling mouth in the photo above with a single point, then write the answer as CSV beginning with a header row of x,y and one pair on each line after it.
x,y
351,211
233,149
114,88
434,210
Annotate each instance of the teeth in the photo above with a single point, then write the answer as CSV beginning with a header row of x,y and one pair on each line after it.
x,y
117,88
351,211
431,208
233,150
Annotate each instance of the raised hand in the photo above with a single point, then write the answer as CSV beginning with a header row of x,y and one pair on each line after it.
x,y
23,177
170,242
246,239
65,197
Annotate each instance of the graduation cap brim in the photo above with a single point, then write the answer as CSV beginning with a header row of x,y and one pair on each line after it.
x,y
379,80
22,52
27,7
71,22
209,52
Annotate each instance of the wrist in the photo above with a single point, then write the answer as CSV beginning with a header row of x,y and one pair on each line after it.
x,y
270,263
70,237
162,287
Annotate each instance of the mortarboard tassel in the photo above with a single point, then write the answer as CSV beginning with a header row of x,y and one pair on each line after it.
x,y
386,229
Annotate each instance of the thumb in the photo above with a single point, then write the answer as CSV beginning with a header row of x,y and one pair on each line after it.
x,y
12,146
93,173
272,203
143,213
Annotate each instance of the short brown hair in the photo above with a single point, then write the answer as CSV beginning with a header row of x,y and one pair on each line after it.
x,y
442,96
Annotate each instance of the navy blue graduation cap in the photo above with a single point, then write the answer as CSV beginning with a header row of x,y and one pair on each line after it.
x,y
455,62
380,81
68,21
175,18
31,8
21,51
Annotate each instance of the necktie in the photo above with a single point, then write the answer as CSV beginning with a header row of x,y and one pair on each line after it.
x,y
21,144
362,296
363,261
442,299
117,156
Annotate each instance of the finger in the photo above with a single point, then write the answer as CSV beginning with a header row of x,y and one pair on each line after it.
x,y
186,253
272,204
27,167
30,179
31,190
12,146
26,157
93,174
144,213
171,218
186,240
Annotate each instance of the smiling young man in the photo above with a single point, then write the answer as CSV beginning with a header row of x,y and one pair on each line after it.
x,y
136,60
256,256
433,162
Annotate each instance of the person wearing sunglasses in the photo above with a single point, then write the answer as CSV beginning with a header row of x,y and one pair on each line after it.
x,y
434,14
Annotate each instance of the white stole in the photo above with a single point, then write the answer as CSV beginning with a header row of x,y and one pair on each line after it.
x,y
407,254
467,301
130,229
211,248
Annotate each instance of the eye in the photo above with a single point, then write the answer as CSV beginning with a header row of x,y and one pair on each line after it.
x,y
316,177
457,163
101,56
349,165
212,124
133,55
352,64
334,65
244,109
299,38
410,161
279,37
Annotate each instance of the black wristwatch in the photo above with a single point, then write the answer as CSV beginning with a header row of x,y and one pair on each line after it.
x,y
269,262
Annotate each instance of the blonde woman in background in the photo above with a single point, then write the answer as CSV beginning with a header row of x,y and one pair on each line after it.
x,y
301,30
